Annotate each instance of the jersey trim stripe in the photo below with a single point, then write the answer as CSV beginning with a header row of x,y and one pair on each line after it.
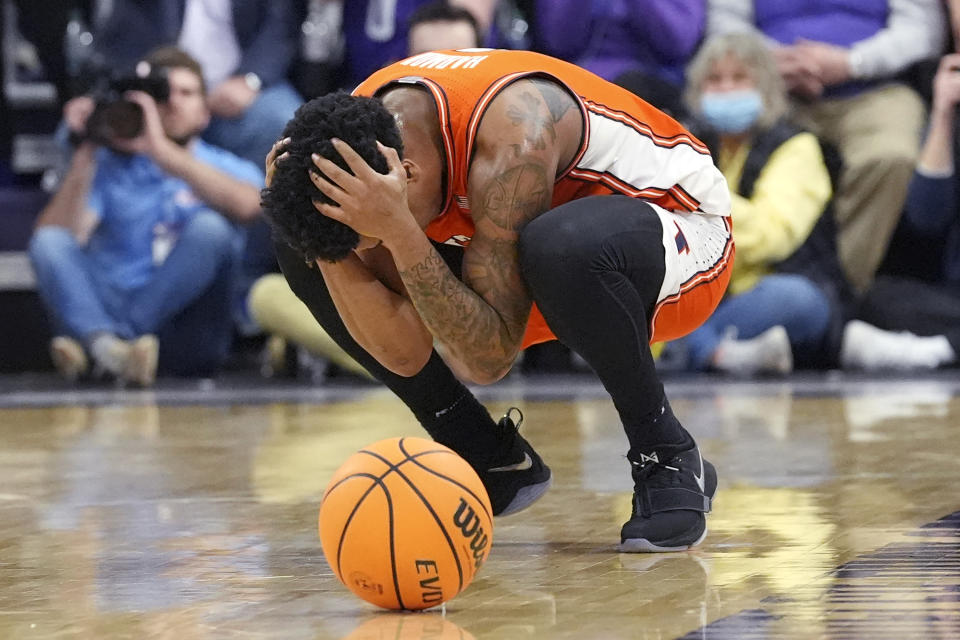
x,y
443,108
686,202
446,129
644,129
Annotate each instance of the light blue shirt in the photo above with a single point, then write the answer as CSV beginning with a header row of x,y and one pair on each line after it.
x,y
132,196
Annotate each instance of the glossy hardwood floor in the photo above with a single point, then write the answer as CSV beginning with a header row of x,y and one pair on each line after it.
x,y
837,516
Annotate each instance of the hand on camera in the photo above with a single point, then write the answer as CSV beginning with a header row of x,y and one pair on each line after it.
x,y
152,139
75,113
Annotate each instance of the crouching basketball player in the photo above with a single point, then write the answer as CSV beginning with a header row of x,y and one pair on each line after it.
x,y
490,200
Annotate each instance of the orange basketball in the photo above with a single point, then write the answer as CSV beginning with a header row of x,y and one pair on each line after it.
x,y
405,523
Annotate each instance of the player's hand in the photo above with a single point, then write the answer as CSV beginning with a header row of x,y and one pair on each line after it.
x,y
277,153
371,203
946,84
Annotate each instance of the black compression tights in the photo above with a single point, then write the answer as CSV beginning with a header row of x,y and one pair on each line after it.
x,y
595,267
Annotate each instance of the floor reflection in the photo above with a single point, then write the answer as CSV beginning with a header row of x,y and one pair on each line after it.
x,y
832,520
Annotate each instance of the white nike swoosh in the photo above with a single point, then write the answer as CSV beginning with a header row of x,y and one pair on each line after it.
x,y
699,478
523,465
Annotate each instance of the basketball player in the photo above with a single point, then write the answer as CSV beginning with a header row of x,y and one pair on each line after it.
x,y
489,200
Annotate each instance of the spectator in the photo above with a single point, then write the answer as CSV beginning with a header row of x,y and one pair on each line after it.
x,y
611,37
376,32
134,254
245,48
926,315
439,25
840,60
780,186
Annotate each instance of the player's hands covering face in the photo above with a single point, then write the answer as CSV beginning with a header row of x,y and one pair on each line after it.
x,y
371,203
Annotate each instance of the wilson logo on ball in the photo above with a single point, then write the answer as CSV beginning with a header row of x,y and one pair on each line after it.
x,y
467,521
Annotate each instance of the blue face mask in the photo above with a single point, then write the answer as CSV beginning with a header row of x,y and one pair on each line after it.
x,y
731,111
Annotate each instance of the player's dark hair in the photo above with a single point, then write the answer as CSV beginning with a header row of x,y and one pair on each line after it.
x,y
441,11
358,121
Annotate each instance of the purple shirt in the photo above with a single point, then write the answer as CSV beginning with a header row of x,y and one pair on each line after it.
x,y
839,22
609,37
375,38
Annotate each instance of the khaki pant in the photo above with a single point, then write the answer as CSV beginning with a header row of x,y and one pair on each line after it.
x,y
279,311
878,136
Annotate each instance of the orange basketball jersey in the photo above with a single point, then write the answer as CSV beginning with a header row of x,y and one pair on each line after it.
x,y
628,147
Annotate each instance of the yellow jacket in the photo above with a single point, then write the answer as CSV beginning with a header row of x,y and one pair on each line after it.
x,y
788,198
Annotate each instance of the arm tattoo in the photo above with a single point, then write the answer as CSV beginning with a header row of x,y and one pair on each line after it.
x,y
454,313
516,196
526,114
557,99
482,319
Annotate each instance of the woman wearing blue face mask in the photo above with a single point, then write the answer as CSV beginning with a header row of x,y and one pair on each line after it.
x,y
775,311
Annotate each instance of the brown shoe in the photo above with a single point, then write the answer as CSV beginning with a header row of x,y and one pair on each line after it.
x,y
142,363
68,357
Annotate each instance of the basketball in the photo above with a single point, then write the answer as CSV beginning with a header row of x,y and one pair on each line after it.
x,y
405,523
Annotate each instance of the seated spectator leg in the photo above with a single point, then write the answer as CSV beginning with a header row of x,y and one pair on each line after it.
x,y
878,136
277,310
788,300
196,341
905,304
199,269
80,304
251,135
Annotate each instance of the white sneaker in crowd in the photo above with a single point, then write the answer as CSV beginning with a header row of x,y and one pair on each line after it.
x,y
142,361
68,357
867,347
110,355
768,353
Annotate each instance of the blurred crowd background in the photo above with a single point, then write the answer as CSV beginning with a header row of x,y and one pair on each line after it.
x,y
133,132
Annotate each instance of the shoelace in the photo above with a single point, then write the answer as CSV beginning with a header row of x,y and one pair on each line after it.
x,y
507,422
641,473
507,431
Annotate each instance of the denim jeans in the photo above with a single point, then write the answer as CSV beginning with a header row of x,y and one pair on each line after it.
x,y
790,300
186,302
252,134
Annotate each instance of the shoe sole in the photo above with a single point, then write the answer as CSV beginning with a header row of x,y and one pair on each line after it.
x,y
526,496
642,545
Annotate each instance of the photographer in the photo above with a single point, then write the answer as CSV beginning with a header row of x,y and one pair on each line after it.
x,y
135,253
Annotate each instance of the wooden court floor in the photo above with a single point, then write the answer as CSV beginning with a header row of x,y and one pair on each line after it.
x,y
134,515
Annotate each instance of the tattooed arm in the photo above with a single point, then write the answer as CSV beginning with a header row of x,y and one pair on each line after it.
x,y
370,299
528,133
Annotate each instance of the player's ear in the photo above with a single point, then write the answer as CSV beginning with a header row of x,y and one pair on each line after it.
x,y
412,169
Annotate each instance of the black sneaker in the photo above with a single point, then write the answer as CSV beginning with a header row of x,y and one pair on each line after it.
x,y
670,499
515,476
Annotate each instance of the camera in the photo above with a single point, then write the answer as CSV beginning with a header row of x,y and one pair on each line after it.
x,y
116,117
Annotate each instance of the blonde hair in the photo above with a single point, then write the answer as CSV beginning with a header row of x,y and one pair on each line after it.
x,y
752,51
